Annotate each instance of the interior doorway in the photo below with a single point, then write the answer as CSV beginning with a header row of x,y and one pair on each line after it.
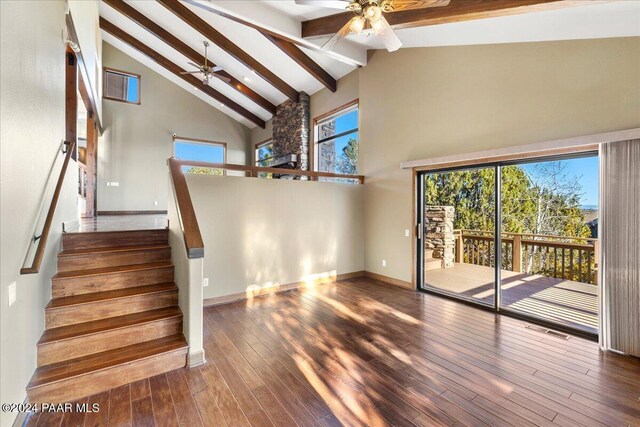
x,y
81,127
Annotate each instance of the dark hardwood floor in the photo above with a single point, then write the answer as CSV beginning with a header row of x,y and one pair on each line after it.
x,y
363,353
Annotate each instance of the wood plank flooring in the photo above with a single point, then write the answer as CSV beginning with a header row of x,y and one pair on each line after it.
x,y
363,353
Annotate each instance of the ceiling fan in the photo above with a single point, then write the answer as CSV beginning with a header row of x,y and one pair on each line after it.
x,y
207,71
369,14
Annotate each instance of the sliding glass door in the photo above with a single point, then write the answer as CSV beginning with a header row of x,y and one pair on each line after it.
x,y
543,212
458,218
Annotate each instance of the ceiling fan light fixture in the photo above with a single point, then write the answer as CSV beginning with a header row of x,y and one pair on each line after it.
x,y
357,24
378,26
372,12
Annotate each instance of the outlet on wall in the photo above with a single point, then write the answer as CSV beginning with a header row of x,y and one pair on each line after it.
x,y
155,203
12,293
406,232
384,262
205,282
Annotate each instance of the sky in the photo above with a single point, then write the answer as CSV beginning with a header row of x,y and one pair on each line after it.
x,y
132,90
344,123
199,151
586,169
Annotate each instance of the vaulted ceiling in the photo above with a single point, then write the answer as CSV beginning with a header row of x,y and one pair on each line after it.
x,y
270,50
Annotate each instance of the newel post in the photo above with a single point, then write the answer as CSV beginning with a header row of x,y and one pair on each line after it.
x,y
517,253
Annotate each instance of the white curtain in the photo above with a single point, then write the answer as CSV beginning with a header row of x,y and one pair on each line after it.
x,y
619,235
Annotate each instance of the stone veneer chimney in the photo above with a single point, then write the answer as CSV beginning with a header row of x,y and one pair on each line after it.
x,y
291,130
439,239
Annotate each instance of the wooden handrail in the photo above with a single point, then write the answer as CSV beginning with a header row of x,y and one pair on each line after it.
x,y
532,253
191,231
258,169
548,236
42,243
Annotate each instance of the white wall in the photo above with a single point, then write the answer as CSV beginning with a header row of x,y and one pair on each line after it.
x,y
86,14
137,139
32,111
262,232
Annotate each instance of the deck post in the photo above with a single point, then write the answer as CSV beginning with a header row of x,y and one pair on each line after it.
x,y
596,254
517,253
459,247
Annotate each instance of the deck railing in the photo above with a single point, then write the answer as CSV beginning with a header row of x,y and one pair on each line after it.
x,y
568,258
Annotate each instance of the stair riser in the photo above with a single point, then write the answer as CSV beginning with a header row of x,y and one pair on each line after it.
x,y
72,348
112,259
433,264
63,287
72,241
68,315
71,389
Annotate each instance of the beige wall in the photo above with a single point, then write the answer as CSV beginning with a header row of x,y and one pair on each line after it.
x,y
430,102
260,232
137,140
421,103
322,102
32,111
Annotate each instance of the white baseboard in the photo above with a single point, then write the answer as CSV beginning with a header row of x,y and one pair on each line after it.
x,y
196,358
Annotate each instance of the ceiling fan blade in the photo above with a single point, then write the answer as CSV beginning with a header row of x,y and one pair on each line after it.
x,y
216,68
389,37
343,32
399,5
194,64
330,4
223,78
191,72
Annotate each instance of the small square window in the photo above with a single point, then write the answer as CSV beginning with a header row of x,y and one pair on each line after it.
x,y
121,86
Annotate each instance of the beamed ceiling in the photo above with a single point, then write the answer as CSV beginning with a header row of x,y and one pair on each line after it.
x,y
269,50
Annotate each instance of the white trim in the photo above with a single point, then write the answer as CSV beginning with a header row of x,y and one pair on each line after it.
x,y
599,138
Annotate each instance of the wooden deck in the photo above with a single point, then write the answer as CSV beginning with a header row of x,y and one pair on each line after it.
x,y
573,304
363,353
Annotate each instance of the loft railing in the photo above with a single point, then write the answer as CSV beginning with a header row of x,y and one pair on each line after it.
x,y
191,230
259,171
46,228
561,257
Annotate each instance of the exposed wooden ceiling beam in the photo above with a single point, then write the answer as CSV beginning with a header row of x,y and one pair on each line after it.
x,y
177,44
175,69
214,36
303,60
455,11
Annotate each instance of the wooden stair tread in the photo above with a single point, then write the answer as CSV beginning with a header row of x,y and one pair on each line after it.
x,y
102,233
95,362
96,326
112,270
111,249
114,294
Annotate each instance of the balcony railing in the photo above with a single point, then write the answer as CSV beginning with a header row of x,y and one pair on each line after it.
x,y
560,257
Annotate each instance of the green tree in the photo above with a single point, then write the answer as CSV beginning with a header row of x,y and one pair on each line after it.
x,y
348,161
204,171
542,201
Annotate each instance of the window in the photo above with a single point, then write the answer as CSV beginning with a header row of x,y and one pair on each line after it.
x,y
336,136
121,86
200,150
264,154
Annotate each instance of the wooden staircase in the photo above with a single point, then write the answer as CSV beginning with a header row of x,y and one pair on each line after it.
x,y
113,317
431,263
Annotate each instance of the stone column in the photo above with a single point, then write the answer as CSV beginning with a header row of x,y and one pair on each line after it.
x,y
438,231
292,129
